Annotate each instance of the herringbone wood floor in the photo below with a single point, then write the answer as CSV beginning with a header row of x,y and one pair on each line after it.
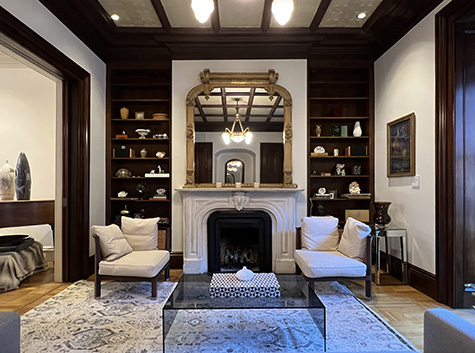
x,y
400,305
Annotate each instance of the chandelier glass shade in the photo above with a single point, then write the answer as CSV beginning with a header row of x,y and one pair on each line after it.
x,y
237,136
202,9
282,10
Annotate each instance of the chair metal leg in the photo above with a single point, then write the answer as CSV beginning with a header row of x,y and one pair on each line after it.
x,y
154,287
368,288
97,287
167,273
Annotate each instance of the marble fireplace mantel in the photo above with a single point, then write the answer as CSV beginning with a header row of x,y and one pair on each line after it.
x,y
200,203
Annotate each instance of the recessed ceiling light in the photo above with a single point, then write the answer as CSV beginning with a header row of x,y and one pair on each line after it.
x,y
115,17
361,15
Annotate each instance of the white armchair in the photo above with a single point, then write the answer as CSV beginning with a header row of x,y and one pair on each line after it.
x,y
322,255
135,253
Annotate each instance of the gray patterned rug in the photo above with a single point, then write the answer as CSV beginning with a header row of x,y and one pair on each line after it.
x,y
126,320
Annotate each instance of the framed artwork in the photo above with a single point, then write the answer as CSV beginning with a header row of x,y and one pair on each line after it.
x,y
360,215
402,146
139,115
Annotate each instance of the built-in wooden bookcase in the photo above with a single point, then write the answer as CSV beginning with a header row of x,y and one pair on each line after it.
x,y
141,89
340,96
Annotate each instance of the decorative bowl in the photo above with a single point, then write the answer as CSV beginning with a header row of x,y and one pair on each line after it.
x,y
160,154
123,173
244,274
142,132
122,193
161,192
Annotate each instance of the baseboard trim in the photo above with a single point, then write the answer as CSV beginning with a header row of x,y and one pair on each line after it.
x,y
176,260
423,281
418,278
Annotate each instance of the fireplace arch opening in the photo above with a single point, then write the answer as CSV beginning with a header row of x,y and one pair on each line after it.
x,y
239,238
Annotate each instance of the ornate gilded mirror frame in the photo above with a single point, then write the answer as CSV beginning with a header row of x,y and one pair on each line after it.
x,y
212,80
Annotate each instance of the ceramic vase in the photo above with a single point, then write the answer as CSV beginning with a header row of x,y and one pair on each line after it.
x,y
318,130
7,182
23,178
381,216
124,113
357,130
143,153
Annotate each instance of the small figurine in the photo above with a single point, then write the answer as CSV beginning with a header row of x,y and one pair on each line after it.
x,y
340,169
354,188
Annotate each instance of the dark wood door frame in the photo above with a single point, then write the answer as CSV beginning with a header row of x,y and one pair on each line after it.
x,y
19,38
448,203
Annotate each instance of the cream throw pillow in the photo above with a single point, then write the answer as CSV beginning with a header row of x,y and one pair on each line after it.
x,y
113,243
353,239
141,234
319,233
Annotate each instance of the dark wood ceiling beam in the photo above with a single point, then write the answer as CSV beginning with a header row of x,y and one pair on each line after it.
x,y
200,109
215,24
224,103
274,108
266,16
229,93
317,19
254,106
254,127
253,116
250,101
162,16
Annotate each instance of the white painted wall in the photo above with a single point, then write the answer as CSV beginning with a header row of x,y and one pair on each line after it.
x,y
405,83
185,76
28,117
39,19
254,146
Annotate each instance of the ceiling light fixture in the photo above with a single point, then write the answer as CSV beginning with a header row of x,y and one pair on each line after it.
x,y
202,9
361,15
235,136
282,10
115,17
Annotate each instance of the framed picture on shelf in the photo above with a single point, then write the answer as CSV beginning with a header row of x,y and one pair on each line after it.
x,y
402,146
139,115
360,215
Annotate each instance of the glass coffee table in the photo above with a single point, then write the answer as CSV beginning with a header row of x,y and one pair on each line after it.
x,y
195,322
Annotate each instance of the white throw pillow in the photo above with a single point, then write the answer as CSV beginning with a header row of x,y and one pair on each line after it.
x,y
353,239
113,243
141,234
319,233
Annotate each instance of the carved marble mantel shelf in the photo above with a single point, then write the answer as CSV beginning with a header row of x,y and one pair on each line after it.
x,y
200,203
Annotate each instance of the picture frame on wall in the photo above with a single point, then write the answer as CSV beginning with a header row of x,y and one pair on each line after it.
x,y
401,146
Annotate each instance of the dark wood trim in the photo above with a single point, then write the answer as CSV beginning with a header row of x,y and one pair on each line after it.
x,y
422,280
19,38
317,19
445,149
176,260
162,16
266,16
215,24
25,213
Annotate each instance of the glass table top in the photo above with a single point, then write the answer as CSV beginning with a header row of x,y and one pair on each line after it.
x,y
192,292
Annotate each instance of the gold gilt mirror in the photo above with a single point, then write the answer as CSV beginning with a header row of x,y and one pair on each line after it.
x,y
233,109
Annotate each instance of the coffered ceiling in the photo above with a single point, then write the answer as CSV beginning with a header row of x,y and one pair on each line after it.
x,y
239,28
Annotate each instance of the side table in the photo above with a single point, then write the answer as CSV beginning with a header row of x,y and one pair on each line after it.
x,y
387,234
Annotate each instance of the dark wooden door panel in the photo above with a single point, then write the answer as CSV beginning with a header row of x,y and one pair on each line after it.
x,y
272,162
203,162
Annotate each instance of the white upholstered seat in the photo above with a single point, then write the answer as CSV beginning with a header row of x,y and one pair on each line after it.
x,y
136,264
328,264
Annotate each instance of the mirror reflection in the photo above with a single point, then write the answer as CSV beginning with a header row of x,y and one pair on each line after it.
x,y
239,125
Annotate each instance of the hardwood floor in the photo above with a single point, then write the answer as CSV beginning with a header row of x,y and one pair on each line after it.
x,y
400,305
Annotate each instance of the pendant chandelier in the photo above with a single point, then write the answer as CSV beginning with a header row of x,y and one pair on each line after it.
x,y
281,9
237,136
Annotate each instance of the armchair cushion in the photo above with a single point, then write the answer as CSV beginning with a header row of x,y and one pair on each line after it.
x,y
136,264
141,234
316,264
320,233
112,241
353,239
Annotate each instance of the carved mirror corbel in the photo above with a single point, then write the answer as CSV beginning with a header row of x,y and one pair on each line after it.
x,y
265,81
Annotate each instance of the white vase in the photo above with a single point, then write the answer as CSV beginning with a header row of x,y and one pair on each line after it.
x,y
7,182
357,130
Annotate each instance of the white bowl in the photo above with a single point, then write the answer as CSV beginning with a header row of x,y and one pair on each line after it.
x,y
160,154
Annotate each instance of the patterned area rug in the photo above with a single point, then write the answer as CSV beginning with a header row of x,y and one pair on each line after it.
x,y
126,320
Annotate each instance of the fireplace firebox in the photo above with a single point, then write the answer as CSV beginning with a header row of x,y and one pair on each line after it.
x,y
239,238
